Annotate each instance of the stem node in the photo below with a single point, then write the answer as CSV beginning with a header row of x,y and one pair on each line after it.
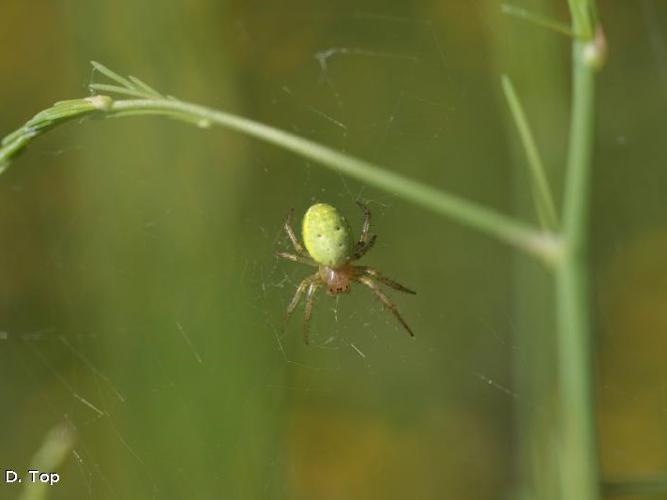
x,y
594,52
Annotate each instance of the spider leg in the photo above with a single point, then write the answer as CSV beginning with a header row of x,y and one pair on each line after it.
x,y
383,279
297,258
310,299
292,235
364,244
360,248
368,281
363,239
297,295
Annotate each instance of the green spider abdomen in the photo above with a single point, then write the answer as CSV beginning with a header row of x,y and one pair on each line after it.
x,y
326,235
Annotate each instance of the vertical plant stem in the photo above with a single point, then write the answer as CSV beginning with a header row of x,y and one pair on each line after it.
x,y
579,462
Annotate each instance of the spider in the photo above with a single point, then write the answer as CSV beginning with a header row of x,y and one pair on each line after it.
x,y
327,245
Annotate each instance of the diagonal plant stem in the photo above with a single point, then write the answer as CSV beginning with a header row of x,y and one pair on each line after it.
x,y
466,212
532,240
542,196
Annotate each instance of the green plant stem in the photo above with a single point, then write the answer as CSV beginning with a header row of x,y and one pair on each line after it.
x,y
579,462
464,211
489,221
583,14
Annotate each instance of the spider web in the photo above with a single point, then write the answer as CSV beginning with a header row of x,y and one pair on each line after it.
x,y
443,399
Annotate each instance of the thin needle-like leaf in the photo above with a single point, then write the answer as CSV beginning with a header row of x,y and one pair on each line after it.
x,y
111,75
103,87
541,190
537,19
141,85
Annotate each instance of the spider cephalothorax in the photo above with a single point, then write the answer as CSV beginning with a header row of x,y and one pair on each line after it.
x,y
337,280
327,245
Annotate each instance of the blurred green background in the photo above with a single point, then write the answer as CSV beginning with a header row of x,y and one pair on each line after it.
x,y
140,302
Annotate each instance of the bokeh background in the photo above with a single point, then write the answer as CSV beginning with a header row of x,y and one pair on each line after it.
x,y
141,305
